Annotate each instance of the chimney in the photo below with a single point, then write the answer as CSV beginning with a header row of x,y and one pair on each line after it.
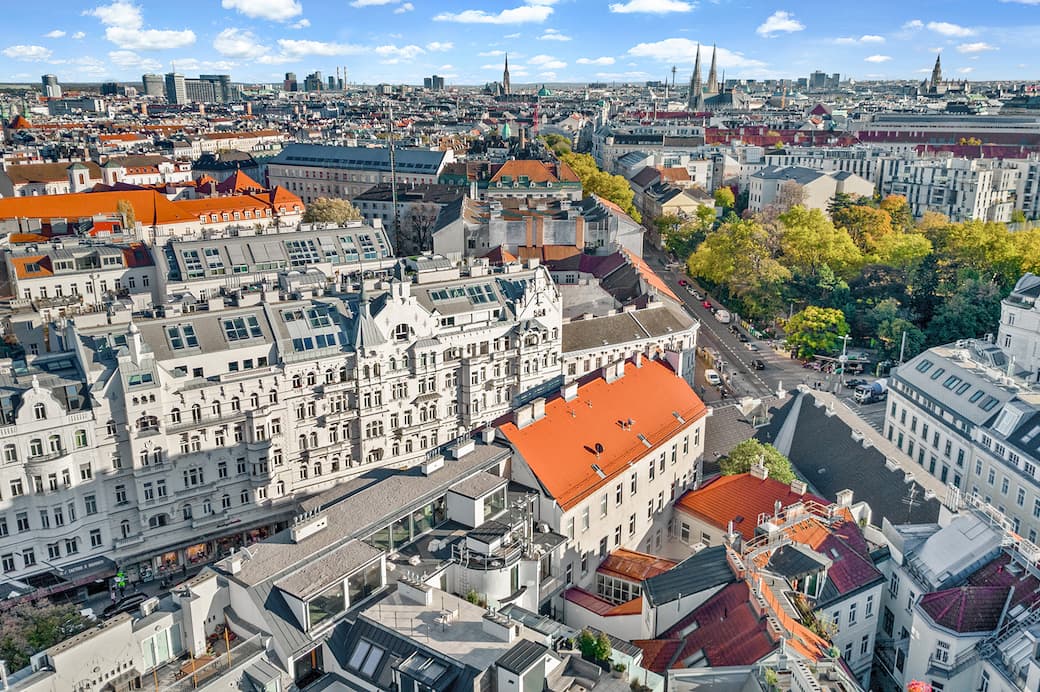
x,y
845,498
758,470
569,391
538,409
304,528
798,487
638,360
523,416
487,435
614,371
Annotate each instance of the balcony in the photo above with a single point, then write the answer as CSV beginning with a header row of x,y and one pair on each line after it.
x,y
187,673
501,559
951,667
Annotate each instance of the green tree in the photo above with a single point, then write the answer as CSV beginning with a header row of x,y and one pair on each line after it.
x,y
594,647
682,236
902,250
613,188
816,330
889,324
866,225
28,628
750,452
1018,216
558,144
899,211
810,241
725,198
972,310
126,211
331,210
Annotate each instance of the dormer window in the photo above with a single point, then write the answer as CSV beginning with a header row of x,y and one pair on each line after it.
x,y
39,412
401,332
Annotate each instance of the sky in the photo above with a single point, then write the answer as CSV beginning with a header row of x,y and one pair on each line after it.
x,y
401,41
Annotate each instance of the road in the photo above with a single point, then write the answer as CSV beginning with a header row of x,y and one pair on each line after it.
x,y
716,342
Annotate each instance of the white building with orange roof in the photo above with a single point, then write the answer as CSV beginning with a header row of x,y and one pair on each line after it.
x,y
608,456
532,179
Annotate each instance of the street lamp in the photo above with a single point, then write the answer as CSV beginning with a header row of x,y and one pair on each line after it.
x,y
843,359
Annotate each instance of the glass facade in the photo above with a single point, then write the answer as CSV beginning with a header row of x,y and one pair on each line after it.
x,y
326,604
616,590
363,583
494,503
409,527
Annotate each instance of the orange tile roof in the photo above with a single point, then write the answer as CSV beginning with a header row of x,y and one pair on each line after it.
x,y
46,172
675,174
560,448
548,253
499,255
634,566
122,137
41,262
739,498
600,606
649,275
239,182
20,238
536,171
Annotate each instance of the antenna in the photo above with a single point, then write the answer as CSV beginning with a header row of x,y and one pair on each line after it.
x,y
910,500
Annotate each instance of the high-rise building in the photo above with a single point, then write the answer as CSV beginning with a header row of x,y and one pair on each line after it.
x,y
153,85
222,90
506,88
818,80
176,91
290,83
434,83
313,81
51,88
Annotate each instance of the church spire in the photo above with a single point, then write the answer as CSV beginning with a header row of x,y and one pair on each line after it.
x,y
696,90
505,77
712,87
937,71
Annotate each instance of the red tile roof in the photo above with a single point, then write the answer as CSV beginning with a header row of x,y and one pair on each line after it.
x,y
649,275
238,183
560,448
500,255
740,498
594,604
842,543
966,608
726,630
634,566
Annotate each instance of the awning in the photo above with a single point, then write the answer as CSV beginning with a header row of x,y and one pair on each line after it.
x,y
98,565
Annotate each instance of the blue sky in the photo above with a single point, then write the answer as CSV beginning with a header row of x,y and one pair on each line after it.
x,y
547,40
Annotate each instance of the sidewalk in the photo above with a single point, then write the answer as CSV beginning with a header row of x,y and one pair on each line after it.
x,y
892,454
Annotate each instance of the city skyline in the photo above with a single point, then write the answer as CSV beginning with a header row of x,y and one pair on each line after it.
x,y
547,40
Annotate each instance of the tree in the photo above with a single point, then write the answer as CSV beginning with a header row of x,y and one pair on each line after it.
x,y
889,325
559,144
789,195
816,330
28,628
810,241
902,250
750,452
416,232
866,225
612,188
899,211
725,198
594,647
126,211
681,237
1018,216
972,310
331,210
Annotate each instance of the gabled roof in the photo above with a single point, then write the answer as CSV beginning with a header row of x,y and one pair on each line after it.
x,y
740,498
704,570
47,172
560,448
238,183
602,607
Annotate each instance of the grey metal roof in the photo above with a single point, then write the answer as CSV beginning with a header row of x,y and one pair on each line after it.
x,y
478,485
524,654
314,575
701,571
798,174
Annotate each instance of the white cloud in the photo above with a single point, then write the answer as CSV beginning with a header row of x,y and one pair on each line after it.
x,y
878,58
595,61
57,33
298,48
977,47
79,34
130,59
912,25
302,24
491,53
196,65
853,41
439,46
446,67
547,62
651,6
124,26
966,70
948,29
373,3
273,10
400,53
553,35
406,7
684,50
550,76
871,38
22,52
517,15
238,43
778,22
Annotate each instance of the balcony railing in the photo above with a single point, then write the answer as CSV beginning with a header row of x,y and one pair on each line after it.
x,y
184,675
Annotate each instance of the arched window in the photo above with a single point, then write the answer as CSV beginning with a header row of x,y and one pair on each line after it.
x,y
314,439
272,397
236,404
175,415
401,332
330,376
196,413
144,457
157,455
39,412
302,442
81,438
311,379
216,409
279,488
124,528
317,468
297,381
225,501
395,449
408,446
148,423
343,374
36,447
186,512
196,443
254,401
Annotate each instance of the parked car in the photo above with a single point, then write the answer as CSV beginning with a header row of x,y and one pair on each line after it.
x,y
682,282
757,364
742,338
712,377
124,605
697,295
853,383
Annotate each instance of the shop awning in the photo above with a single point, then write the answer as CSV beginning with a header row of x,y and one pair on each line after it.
x,y
98,566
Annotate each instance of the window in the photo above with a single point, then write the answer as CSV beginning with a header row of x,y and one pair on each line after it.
x,y
95,538
942,651
603,505
90,504
852,613
585,519
39,412
182,336
7,562
869,610
240,328
121,495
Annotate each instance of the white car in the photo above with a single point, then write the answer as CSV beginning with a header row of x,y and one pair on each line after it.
x,y
712,377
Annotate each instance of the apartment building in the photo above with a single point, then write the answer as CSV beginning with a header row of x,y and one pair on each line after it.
x,y
961,189
216,420
607,457
312,170
816,187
